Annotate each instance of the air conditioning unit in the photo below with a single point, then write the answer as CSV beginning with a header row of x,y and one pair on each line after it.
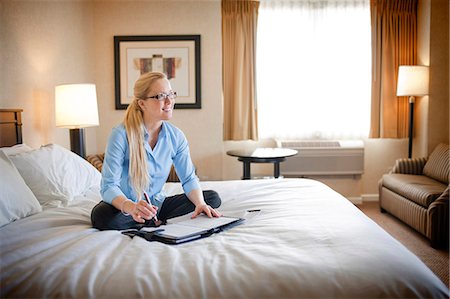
x,y
323,157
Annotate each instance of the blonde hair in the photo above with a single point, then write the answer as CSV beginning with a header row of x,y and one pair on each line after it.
x,y
134,126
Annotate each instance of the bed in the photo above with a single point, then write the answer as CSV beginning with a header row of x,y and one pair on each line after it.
x,y
307,241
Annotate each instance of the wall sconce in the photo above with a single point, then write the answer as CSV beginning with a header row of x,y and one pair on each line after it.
x,y
76,109
412,81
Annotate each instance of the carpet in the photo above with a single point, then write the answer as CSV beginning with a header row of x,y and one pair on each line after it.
x,y
436,259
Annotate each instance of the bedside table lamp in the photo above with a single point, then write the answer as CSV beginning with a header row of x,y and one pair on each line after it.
x,y
412,81
76,109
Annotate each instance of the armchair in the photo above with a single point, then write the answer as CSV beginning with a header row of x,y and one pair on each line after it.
x,y
416,191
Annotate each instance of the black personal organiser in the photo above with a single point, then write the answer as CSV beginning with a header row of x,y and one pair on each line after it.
x,y
158,234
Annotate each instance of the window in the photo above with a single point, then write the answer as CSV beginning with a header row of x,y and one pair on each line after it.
x,y
314,69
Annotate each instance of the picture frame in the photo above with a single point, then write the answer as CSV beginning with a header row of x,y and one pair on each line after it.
x,y
178,56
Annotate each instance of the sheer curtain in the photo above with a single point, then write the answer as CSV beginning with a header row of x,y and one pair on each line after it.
x,y
314,69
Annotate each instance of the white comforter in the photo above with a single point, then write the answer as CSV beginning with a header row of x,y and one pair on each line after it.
x,y
308,241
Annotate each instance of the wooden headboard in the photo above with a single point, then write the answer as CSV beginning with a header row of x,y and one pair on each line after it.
x,y
10,127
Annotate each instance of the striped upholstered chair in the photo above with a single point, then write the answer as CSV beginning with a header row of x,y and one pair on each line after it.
x,y
417,192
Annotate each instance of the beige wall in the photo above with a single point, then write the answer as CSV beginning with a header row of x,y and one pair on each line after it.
x,y
49,43
45,43
420,146
438,123
431,124
202,126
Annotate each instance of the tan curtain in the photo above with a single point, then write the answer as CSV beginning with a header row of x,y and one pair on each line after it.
x,y
239,21
394,43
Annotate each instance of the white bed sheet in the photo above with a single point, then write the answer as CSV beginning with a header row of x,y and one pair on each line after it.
x,y
308,241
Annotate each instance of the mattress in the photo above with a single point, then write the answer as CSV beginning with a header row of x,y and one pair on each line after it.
x,y
307,241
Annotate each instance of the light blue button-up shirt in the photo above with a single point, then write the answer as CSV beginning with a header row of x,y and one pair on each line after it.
x,y
171,148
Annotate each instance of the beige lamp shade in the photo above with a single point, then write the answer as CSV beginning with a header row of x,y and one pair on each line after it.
x,y
412,80
76,106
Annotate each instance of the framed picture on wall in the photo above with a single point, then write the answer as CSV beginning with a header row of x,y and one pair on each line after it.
x,y
178,56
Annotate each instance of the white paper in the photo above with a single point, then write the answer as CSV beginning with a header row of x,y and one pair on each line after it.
x,y
179,231
203,221
185,226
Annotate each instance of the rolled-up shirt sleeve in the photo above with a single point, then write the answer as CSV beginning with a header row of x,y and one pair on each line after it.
x,y
113,166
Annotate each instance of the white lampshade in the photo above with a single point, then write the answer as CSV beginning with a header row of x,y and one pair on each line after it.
x,y
412,80
76,106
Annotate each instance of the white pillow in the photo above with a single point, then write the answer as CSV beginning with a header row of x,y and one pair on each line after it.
x,y
16,199
55,174
16,149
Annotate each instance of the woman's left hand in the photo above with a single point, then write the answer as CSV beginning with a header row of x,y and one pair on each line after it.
x,y
208,210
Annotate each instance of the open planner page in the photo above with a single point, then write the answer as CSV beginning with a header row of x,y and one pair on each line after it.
x,y
202,221
179,231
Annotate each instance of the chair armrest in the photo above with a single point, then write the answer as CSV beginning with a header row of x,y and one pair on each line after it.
x,y
438,220
409,166
96,160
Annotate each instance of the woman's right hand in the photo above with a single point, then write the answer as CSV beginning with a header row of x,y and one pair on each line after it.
x,y
140,211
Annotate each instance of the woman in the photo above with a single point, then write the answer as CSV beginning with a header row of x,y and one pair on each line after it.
x,y
138,158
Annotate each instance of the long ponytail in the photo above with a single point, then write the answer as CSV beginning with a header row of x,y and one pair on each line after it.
x,y
134,126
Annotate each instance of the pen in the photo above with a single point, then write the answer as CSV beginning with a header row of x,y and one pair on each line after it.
x,y
148,201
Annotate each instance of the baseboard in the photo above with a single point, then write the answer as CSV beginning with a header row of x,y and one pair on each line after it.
x,y
370,197
357,200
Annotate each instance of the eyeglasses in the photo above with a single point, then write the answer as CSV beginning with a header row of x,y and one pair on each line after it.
x,y
162,96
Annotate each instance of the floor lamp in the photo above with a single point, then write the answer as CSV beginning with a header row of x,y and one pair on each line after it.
x,y
412,81
76,109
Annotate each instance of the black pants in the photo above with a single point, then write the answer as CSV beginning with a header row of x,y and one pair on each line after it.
x,y
106,217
